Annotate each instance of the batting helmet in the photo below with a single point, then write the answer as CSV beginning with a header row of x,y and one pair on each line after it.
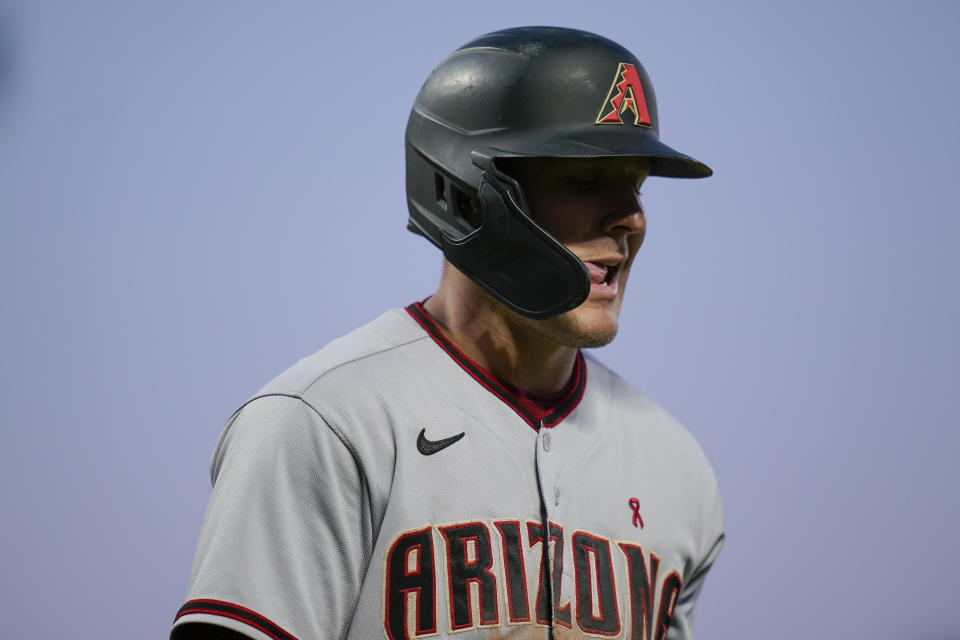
x,y
524,92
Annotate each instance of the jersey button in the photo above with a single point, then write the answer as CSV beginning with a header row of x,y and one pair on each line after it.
x,y
556,496
546,442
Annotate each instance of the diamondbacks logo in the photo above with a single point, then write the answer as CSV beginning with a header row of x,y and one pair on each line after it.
x,y
626,94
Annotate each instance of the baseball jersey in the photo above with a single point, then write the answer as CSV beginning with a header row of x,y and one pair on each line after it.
x,y
389,487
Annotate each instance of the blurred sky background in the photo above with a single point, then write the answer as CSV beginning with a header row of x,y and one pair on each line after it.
x,y
193,195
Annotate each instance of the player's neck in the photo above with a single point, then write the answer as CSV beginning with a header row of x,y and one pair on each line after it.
x,y
498,340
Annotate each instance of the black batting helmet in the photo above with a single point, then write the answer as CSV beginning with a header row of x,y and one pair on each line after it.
x,y
524,92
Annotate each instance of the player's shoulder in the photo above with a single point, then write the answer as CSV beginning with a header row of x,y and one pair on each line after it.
x,y
636,416
309,400
371,344
350,381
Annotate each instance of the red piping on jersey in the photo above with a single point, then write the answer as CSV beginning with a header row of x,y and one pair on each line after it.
x,y
235,612
560,410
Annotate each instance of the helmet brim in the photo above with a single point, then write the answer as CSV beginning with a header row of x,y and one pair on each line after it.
x,y
665,160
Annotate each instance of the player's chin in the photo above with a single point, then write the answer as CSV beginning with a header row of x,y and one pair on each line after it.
x,y
592,324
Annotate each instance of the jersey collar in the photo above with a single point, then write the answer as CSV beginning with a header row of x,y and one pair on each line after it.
x,y
560,410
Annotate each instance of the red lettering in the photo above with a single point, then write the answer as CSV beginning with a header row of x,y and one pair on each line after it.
x,y
626,95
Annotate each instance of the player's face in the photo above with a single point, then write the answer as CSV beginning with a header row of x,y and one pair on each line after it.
x,y
591,206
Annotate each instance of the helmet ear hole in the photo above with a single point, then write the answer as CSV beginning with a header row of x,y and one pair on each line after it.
x,y
468,208
440,185
464,207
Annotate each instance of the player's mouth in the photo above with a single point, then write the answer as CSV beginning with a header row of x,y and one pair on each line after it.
x,y
604,278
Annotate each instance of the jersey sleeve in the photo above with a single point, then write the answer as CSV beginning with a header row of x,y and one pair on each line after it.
x,y
286,537
710,543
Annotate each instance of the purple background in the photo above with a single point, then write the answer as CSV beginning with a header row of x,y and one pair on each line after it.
x,y
195,194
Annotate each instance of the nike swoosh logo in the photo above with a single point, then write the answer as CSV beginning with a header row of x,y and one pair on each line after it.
x,y
430,447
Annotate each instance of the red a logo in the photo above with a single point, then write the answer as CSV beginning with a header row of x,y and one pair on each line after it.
x,y
626,94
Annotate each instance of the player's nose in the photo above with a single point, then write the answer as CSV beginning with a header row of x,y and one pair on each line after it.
x,y
623,211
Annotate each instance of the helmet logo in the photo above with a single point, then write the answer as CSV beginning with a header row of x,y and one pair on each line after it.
x,y
626,94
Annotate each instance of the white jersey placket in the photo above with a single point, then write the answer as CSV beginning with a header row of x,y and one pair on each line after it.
x,y
550,465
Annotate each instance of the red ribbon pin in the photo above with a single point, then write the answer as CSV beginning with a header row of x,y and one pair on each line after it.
x,y
637,520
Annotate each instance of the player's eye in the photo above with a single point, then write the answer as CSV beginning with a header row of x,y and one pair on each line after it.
x,y
582,183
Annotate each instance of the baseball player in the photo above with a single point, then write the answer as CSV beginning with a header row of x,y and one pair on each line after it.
x,y
461,468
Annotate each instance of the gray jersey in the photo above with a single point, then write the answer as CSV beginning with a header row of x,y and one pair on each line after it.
x,y
388,487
